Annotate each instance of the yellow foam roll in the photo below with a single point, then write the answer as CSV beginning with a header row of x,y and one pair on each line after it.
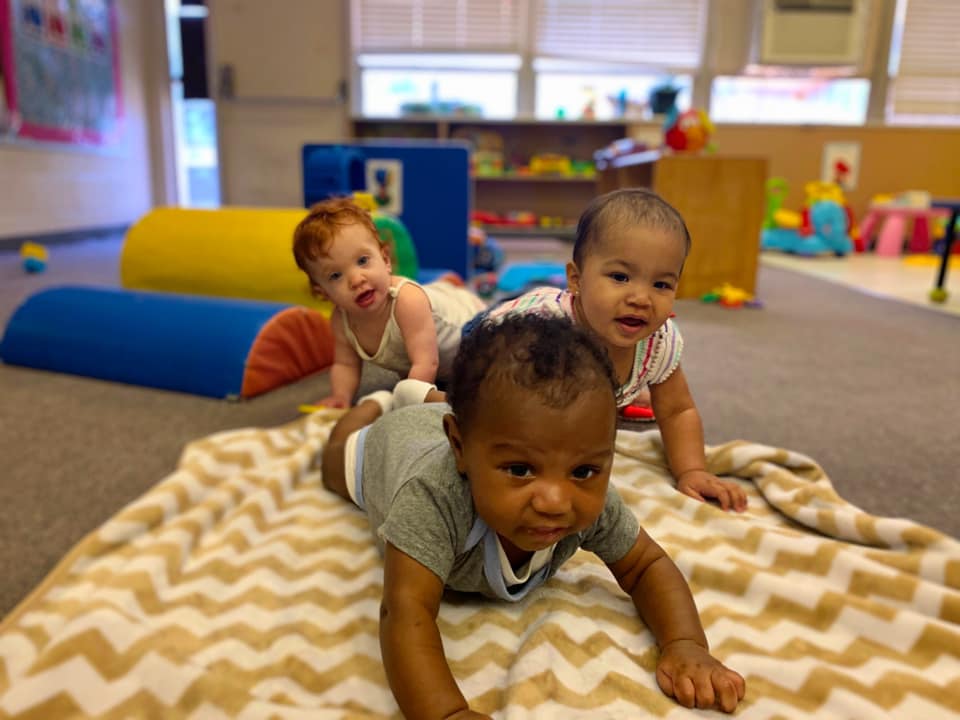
x,y
229,252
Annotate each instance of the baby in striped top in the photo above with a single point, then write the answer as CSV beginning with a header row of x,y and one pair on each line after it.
x,y
622,282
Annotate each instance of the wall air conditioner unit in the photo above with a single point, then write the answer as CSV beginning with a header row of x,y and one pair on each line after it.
x,y
812,32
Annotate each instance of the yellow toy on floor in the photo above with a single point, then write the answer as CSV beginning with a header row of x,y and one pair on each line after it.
x,y
731,297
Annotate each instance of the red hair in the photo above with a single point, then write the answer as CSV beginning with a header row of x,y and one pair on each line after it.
x,y
321,224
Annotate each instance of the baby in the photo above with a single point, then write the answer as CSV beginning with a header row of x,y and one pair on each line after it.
x,y
388,320
628,254
494,492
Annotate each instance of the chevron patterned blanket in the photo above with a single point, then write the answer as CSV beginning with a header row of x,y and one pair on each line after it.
x,y
238,587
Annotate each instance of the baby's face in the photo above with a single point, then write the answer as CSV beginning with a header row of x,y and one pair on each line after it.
x,y
353,271
627,283
537,473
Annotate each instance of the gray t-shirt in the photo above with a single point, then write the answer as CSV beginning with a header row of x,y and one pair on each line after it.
x,y
418,502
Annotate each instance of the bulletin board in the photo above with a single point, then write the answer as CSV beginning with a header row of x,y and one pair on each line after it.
x,y
59,62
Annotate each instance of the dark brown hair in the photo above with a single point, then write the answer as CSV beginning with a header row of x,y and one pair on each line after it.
x,y
637,206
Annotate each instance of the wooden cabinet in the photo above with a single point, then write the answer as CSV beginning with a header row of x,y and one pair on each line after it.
x,y
556,199
721,198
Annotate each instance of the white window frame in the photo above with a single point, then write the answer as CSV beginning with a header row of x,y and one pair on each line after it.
x,y
368,57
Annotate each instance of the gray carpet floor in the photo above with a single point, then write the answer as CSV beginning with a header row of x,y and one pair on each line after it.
x,y
868,387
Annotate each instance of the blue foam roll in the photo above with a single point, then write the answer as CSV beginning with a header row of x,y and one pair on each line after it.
x,y
186,343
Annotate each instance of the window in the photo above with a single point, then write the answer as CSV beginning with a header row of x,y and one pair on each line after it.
x,y
789,100
925,63
556,58
440,84
601,58
438,57
569,92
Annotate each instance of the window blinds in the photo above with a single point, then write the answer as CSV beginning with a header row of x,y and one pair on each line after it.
x,y
927,81
654,33
438,25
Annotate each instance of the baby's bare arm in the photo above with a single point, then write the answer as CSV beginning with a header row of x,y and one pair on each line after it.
x,y
413,656
686,670
415,319
682,431
345,371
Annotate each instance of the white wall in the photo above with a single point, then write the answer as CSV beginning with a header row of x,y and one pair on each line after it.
x,y
46,189
286,67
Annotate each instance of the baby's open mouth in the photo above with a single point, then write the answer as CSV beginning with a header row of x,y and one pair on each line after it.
x,y
365,298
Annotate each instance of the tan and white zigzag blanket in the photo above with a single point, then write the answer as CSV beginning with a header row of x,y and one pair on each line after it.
x,y
238,587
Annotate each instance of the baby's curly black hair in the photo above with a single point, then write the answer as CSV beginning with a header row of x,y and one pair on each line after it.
x,y
548,355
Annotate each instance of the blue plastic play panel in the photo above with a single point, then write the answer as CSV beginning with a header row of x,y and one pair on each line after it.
x,y
435,195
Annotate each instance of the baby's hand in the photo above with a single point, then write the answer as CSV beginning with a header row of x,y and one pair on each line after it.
x,y
332,401
700,485
691,675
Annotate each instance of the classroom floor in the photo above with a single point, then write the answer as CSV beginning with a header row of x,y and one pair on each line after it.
x,y
906,279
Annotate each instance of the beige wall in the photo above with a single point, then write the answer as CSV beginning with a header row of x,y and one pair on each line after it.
x,y
891,159
287,69
46,189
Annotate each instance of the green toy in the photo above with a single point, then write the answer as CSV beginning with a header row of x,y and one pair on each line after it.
x,y
777,188
395,234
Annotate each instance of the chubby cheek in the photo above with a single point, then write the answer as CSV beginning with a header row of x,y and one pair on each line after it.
x,y
499,507
589,504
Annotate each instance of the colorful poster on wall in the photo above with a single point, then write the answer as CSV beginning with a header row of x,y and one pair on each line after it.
x,y
59,62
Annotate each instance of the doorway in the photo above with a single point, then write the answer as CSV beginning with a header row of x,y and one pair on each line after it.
x,y
194,111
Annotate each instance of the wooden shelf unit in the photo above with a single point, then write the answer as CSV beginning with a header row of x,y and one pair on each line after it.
x,y
545,195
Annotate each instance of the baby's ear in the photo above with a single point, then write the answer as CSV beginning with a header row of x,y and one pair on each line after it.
x,y
573,277
452,429
386,255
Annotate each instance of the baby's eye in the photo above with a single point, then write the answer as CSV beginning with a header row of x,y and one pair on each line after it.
x,y
518,470
619,277
585,472
333,277
663,285
364,259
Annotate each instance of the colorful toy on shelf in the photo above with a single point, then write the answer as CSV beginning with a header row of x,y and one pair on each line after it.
x,y
486,157
34,257
732,297
688,131
551,164
518,218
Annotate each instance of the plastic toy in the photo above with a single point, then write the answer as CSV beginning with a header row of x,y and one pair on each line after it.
x,y
823,225
829,233
637,413
777,188
688,131
34,257
487,255
550,164
732,297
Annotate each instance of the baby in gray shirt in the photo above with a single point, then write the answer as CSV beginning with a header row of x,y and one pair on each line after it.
x,y
494,491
